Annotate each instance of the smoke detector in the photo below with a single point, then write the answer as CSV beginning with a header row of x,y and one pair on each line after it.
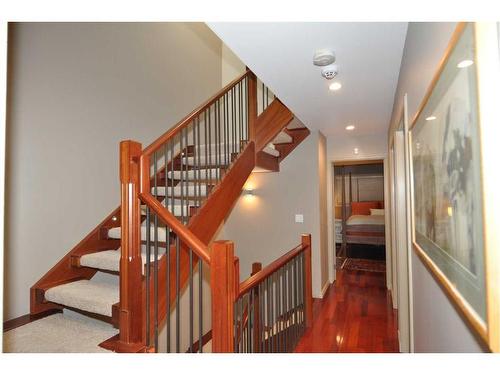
x,y
323,57
330,71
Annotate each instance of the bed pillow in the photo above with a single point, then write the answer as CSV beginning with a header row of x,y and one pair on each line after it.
x,y
363,208
377,211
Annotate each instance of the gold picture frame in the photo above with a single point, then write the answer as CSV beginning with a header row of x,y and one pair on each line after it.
x,y
484,319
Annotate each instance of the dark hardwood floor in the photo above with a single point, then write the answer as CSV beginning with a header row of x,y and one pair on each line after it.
x,y
355,316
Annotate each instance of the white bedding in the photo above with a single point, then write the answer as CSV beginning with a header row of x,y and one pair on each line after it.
x,y
366,220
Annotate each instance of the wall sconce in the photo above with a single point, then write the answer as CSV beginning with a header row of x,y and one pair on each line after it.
x,y
248,192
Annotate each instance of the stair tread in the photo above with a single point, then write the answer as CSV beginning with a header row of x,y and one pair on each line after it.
x,y
295,124
271,151
282,137
109,260
115,233
189,190
195,174
92,296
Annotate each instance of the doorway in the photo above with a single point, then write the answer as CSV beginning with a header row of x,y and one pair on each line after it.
x,y
359,208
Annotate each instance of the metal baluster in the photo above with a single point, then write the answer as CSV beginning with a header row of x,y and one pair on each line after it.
x,y
290,299
240,117
251,321
235,325
278,310
262,96
191,317
186,178
199,162
177,294
233,122
217,140
200,303
226,127
246,109
194,167
206,147
182,151
261,317
273,338
167,250
155,269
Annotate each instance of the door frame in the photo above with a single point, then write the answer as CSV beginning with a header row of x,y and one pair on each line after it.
x,y
401,191
331,204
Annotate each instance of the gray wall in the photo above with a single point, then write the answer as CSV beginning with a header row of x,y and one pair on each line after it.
x,y
74,91
438,327
263,227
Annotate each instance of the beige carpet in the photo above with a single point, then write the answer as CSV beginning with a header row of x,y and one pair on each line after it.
x,y
59,333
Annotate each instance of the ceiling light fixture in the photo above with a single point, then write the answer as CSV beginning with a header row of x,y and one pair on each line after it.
x,y
430,118
350,127
335,86
465,63
356,151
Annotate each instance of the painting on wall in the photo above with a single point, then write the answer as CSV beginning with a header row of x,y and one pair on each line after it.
x,y
446,166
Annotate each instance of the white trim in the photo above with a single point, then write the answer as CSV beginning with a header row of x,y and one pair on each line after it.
x,y
3,116
324,289
409,193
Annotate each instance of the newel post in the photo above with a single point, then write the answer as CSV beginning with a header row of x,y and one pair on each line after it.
x,y
252,105
306,241
131,309
222,285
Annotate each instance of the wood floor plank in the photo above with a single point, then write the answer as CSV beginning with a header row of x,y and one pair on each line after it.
x,y
355,316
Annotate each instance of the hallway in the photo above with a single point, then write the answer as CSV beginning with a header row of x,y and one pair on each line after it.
x,y
354,316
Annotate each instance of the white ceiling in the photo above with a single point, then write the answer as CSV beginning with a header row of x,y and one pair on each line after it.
x,y
368,57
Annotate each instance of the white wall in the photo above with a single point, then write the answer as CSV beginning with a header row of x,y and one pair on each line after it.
x,y
438,327
263,227
75,90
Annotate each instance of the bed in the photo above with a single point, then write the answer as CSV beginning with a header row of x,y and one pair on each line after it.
x,y
366,225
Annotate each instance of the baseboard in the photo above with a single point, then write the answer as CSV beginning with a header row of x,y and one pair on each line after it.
x,y
28,318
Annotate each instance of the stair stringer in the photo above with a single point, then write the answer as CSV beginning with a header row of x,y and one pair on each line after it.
x,y
64,271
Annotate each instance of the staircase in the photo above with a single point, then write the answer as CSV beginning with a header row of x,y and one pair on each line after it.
x,y
156,249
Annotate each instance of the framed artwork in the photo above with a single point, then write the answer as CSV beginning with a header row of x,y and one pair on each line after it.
x,y
448,202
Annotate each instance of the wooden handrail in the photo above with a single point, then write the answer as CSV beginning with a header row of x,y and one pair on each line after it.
x,y
186,236
187,120
254,280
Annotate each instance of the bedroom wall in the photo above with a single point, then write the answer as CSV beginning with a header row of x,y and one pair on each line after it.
x,y
74,91
438,327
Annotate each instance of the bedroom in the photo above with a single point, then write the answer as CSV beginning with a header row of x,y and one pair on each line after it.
x,y
359,216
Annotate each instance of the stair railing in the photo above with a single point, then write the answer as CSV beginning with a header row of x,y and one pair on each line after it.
x,y
163,186
273,307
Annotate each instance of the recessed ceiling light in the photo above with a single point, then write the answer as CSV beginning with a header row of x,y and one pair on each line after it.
x,y
430,118
335,86
465,63
350,127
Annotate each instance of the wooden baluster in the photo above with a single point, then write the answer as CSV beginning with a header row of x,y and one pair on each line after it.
x,y
256,267
306,241
131,306
252,105
222,283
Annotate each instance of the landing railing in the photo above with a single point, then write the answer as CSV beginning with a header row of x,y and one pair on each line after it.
x,y
273,307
